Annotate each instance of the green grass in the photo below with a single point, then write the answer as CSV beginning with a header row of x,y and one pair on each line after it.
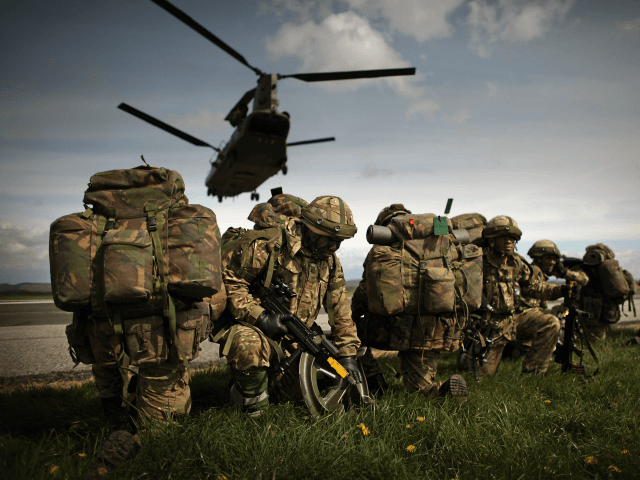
x,y
26,297
512,427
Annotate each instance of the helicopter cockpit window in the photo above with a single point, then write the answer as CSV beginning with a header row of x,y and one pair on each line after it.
x,y
268,124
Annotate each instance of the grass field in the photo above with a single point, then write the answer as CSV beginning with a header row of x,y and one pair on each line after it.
x,y
512,427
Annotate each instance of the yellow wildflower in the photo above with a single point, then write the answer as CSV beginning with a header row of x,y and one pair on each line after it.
x,y
411,448
221,477
365,430
408,426
615,469
420,419
547,401
54,469
625,452
591,460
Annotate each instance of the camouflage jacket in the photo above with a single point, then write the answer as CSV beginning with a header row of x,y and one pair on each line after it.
x,y
593,300
538,276
306,276
505,281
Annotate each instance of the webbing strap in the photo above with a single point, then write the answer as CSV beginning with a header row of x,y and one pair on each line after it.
x,y
272,261
328,302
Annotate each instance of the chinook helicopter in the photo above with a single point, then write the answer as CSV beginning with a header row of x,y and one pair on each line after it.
x,y
257,148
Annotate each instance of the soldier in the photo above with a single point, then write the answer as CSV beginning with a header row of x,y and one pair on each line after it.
x,y
506,277
546,262
608,288
303,255
418,364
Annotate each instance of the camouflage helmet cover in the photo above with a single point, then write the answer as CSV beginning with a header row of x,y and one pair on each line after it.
x,y
543,247
264,217
288,205
501,225
330,216
391,211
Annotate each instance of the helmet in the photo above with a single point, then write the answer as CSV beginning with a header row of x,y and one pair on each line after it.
x,y
501,225
543,247
330,216
264,217
387,213
288,205
596,254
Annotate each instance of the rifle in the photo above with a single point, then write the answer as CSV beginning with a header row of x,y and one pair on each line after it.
x,y
273,298
478,339
565,350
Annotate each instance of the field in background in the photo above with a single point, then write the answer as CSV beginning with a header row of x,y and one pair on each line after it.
x,y
512,426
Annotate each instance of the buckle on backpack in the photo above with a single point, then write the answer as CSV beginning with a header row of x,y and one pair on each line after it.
x,y
152,223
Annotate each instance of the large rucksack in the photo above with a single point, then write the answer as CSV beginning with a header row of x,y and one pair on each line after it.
x,y
473,223
423,273
138,246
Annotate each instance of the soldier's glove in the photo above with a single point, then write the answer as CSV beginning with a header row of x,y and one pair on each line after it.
x,y
272,324
569,291
350,364
560,270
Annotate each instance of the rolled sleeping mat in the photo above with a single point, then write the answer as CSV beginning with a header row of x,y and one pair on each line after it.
x,y
379,235
461,237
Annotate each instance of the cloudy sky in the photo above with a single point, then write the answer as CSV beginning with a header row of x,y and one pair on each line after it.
x,y
524,108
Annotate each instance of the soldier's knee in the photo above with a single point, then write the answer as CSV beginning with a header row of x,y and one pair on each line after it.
x,y
247,349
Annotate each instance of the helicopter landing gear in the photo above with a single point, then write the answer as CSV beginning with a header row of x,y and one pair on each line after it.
x,y
255,196
284,170
220,198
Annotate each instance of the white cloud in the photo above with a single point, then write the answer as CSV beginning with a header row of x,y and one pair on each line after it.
x,y
510,20
203,119
23,251
458,118
343,41
492,88
630,26
428,108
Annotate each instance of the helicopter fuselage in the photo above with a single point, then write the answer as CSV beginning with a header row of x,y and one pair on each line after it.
x,y
256,151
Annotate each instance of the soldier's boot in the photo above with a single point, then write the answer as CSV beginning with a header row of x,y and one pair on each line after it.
x,y
113,410
249,390
456,386
119,447
377,384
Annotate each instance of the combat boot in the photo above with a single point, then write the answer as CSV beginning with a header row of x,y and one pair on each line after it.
x,y
249,390
119,447
377,384
456,386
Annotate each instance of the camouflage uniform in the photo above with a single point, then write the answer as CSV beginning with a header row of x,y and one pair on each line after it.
x,y
506,277
419,340
249,352
594,300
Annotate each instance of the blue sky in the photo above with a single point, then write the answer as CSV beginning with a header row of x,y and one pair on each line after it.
x,y
529,109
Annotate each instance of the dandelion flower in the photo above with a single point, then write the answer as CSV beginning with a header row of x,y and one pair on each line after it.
x,y
365,430
408,426
420,419
411,448
82,454
615,469
625,452
591,460
54,469
547,401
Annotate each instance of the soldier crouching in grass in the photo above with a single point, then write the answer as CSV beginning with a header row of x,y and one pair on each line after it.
x,y
507,277
302,255
399,305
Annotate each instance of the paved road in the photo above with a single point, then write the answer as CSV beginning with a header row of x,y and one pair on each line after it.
x,y
32,340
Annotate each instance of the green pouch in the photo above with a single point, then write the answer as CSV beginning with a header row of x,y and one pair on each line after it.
x,y
145,340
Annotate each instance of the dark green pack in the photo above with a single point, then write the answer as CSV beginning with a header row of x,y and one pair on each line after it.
x,y
473,223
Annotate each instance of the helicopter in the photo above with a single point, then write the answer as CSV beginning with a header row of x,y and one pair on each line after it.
x,y
257,149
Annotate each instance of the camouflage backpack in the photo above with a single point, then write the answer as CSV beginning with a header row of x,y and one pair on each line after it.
x,y
422,272
473,223
137,248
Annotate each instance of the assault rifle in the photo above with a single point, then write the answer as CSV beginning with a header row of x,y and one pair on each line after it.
x,y
564,352
273,299
478,339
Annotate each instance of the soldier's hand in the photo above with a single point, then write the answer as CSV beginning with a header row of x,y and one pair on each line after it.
x,y
560,270
570,291
350,364
272,324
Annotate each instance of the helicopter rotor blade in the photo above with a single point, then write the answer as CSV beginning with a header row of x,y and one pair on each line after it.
x,y
247,97
317,140
326,76
186,19
167,128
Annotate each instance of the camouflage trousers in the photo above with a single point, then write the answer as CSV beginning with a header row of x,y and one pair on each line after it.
x,y
247,347
162,381
418,368
533,325
418,341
